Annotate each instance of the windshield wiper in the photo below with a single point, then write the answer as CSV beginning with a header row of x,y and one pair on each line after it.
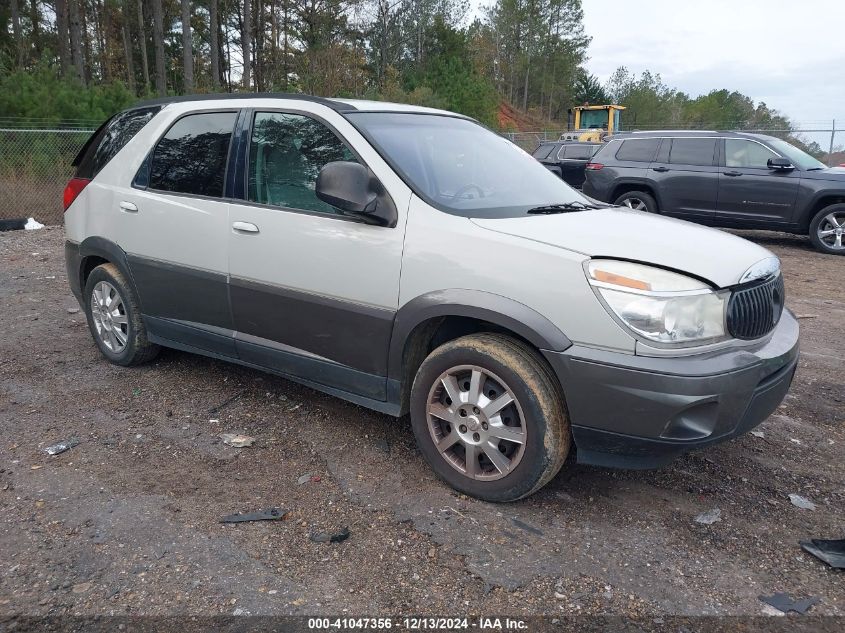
x,y
563,207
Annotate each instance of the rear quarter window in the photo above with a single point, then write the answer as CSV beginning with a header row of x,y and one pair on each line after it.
x,y
110,138
638,150
543,151
579,152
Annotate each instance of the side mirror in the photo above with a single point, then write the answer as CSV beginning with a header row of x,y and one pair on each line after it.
x,y
779,163
352,188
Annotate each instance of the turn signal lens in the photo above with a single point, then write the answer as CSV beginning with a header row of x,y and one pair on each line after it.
x,y
73,189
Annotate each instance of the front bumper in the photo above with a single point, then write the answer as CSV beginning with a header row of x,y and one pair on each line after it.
x,y
641,412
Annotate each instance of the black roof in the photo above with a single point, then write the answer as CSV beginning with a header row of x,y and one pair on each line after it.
x,y
334,105
688,134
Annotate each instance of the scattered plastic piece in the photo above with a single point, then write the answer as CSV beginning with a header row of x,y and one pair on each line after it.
x,y
758,434
709,517
12,225
326,537
316,479
236,440
270,514
304,478
802,502
32,224
526,527
61,447
831,552
784,602
806,316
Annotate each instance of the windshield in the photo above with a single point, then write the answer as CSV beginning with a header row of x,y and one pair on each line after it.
x,y
800,159
461,167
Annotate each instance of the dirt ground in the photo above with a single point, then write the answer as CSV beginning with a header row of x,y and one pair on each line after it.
x,y
127,522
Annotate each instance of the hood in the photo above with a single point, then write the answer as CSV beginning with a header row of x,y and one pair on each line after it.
x,y
711,254
836,174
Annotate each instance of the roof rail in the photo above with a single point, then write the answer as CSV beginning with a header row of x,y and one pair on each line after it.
x,y
334,105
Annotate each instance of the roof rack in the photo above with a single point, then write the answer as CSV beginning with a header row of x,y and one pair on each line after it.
x,y
334,105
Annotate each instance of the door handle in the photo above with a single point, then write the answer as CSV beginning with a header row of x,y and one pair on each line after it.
x,y
732,173
660,169
128,207
245,227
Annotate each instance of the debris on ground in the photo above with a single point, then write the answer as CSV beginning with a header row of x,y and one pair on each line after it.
x,y
802,502
709,517
61,447
270,514
226,402
315,479
831,552
12,225
784,602
236,440
758,434
303,479
327,537
72,310
528,528
806,316
32,225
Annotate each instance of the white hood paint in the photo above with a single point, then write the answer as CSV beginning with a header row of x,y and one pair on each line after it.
x,y
711,254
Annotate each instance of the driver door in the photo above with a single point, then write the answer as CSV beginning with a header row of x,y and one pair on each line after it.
x,y
313,291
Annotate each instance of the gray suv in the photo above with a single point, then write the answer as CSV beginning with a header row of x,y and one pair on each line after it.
x,y
730,179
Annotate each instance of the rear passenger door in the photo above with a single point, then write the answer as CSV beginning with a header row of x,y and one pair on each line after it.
x,y
173,224
314,292
687,177
573,162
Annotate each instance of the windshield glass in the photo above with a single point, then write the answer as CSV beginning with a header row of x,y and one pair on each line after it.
x,y
460,166
800,159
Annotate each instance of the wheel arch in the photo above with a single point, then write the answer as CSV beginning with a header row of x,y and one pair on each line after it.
x,y
624,187
94,251
438,317
824,199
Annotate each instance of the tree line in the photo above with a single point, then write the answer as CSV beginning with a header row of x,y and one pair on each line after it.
x,y
85,59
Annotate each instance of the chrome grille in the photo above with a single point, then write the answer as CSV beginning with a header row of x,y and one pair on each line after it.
x,y
754,311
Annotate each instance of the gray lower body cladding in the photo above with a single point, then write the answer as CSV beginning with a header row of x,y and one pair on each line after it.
x,y
642,412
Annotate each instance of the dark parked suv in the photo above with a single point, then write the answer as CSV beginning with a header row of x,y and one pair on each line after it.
x,y
729,179
567,160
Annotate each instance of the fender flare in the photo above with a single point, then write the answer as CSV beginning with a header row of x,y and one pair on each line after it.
x,y
810,209
642,183
486,306
95,246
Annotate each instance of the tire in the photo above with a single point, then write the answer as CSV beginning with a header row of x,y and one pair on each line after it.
x,y
637,200
824,227
116,326
537,417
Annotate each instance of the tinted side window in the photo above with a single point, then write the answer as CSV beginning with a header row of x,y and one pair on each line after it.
x,y
638,150
579,152
543,151
286,153
741,153
692,151
191,157
107,141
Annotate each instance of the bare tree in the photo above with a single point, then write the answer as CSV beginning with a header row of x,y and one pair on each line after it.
x,y
16,30
127,46
35,19
187,47
76,29
213,29
142,44
63,36
158,43
246,41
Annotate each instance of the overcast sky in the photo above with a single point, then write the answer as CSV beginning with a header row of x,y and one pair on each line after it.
x,y
786,53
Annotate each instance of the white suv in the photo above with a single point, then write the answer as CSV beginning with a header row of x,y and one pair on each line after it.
x,y
412,261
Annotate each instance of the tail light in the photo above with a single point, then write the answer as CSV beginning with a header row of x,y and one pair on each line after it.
x,y
594,166
73,189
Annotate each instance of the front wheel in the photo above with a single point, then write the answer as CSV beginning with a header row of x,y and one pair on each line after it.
x,y
489,417
827,229
638,201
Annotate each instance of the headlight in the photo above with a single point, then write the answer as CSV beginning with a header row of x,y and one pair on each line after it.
x,y
659,305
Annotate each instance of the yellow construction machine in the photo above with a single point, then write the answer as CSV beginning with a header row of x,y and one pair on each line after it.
x,y
592,123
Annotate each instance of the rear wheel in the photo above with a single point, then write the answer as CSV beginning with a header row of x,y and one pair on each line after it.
x,y
638,201
827,230
114,318
489,417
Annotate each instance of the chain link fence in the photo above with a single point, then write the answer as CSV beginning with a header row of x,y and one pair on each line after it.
x,y
35,165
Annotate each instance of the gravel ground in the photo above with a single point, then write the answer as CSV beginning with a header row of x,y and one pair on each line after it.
x,y
127,522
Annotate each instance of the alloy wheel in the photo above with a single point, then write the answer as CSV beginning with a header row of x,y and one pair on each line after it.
x,y
831,229
476,422
110,319
635,203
